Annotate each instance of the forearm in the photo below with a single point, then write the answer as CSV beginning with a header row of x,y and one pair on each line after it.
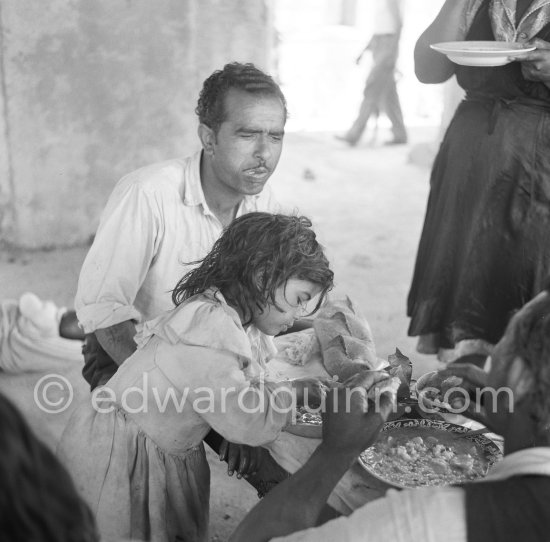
x,y
431,66
118,340
296,504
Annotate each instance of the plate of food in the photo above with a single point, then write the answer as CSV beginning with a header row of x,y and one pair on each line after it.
x,y
421,452
482,53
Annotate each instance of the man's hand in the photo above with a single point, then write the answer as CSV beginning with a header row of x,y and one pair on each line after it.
x,y
351,421
244,459
535,65
474,380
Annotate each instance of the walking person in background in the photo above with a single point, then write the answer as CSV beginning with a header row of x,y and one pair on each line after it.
x,y
380,92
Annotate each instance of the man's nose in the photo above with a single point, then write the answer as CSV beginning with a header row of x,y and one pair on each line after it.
x,y
263,148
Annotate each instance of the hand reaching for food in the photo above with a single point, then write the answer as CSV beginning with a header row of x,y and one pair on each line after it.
x,y
351,421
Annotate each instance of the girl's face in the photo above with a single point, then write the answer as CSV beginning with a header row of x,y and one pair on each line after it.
x,y
292,299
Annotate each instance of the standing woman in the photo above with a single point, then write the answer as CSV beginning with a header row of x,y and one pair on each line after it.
x,y
485,246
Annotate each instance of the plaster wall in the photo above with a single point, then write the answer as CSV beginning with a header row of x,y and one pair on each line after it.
x,y
92,89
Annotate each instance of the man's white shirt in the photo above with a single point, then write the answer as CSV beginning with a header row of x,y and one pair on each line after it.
x,y
155,225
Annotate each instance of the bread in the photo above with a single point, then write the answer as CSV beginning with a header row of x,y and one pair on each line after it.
x,y
300,347
345,339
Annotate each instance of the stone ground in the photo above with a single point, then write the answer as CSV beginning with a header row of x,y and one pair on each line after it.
x,y
367,204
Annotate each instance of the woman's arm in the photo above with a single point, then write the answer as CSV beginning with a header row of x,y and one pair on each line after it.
x,y
431,66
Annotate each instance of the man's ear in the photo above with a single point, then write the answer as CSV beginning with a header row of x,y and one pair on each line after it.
x,y
207,137
520,379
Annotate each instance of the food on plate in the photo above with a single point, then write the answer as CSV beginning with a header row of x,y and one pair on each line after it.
x,y
345,338
298,348
306,415
415,457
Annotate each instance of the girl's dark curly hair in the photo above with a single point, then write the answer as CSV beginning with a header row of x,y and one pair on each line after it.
x,y
257,253
530,341
210,107
38,500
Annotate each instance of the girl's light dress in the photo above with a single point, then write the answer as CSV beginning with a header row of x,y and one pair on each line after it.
x,y
135,447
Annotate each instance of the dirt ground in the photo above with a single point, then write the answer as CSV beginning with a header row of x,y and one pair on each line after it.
x,y
367,204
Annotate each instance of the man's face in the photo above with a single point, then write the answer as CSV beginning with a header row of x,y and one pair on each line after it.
x,y
248,144
291,299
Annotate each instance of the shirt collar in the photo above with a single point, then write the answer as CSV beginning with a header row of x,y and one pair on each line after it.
x,y
192,188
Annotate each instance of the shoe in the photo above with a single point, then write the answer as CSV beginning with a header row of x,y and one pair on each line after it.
x,y
345,139
396,141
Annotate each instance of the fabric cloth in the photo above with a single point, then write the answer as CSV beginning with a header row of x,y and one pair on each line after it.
x,y
424,513
155,225
484,248
31,342
504,19
136,454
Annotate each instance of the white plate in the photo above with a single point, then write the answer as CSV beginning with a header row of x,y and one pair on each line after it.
x,y
481,53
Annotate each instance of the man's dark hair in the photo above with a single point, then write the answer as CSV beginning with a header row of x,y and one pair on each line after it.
x,y
210,107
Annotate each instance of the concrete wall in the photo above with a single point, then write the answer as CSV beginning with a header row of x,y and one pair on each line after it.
x,y
91,89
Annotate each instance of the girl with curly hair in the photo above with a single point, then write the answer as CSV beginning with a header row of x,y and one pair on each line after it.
x,y
136,453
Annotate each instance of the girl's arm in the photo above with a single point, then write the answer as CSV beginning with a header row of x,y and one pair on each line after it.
x,y
215,383
449,25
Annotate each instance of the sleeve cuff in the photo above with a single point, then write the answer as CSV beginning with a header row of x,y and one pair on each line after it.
x,y
102,315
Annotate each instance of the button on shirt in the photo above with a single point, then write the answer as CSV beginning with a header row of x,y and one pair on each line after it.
x,y
154,226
